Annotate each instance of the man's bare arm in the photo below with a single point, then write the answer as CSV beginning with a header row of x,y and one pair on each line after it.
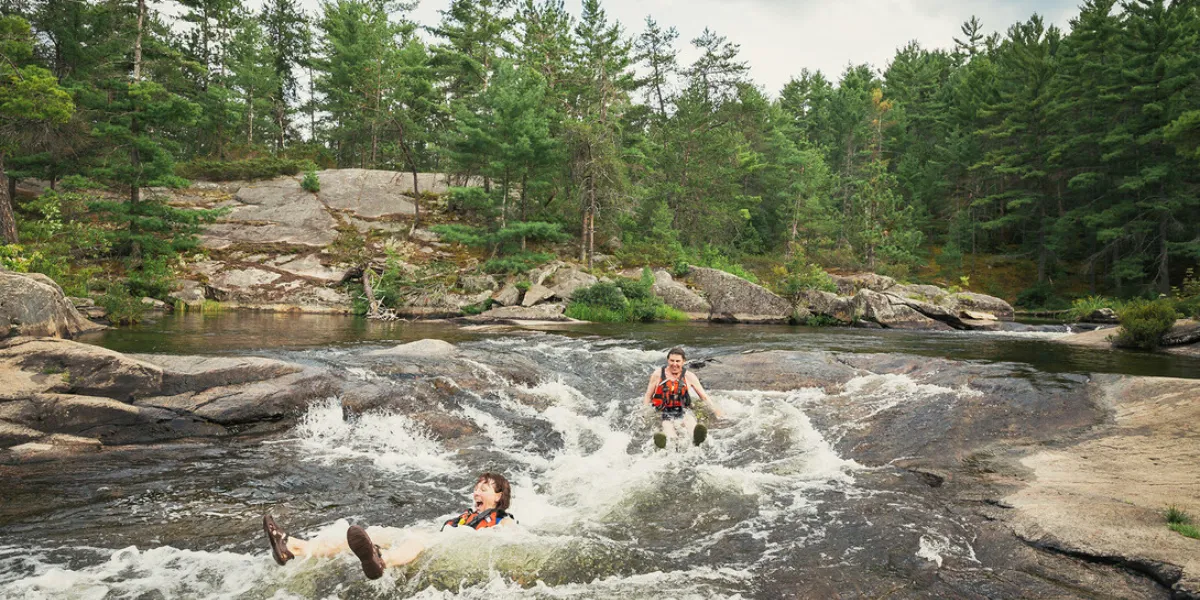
x,y
655,379
694,383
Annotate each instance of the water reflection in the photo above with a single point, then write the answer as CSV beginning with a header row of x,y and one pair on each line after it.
x,y
251,332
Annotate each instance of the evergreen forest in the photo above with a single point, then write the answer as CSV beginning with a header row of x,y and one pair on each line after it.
x,y
1075,152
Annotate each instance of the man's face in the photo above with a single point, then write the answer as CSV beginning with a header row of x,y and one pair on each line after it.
x,y
486,496
674,364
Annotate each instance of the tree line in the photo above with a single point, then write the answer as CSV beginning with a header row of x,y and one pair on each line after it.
x,y
1076,149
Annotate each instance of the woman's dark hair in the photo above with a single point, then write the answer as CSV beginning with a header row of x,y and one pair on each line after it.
x,y
677,350
501,486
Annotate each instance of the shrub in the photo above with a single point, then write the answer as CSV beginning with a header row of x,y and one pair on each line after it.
x,y
122,307
624,300
602,295
1143,324
801,277
521,262
311,182
243,170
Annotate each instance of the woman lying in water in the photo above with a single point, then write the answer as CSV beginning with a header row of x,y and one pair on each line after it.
x,y
492,494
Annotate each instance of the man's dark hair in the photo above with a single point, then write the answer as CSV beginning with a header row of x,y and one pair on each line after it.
x,y
500,484
677,350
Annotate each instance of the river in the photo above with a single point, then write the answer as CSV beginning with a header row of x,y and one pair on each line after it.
x,y
767,508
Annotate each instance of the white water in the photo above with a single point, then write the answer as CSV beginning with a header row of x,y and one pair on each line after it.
x,y
766,462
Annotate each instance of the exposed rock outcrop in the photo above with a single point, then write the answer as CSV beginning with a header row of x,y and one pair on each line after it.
x,y
57,387
735,299
34,305
678,296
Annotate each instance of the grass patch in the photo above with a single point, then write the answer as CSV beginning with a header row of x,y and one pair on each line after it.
x,y
1180,522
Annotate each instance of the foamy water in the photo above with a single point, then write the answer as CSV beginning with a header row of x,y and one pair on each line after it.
x,y
602,513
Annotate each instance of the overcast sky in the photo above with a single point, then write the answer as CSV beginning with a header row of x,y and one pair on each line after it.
x,y
780,37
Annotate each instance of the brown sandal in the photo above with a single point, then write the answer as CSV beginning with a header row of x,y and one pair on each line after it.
x,y
278,540
366,551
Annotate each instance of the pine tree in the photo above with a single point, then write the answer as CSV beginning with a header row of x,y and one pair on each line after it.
x,y
30,99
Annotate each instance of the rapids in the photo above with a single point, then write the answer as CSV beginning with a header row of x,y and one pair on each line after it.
x,y
766,508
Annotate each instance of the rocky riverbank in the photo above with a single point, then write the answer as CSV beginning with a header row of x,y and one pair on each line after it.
x,y
281,248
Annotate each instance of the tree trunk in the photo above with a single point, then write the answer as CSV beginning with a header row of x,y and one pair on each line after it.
x,y
8,221
1164,272
250,117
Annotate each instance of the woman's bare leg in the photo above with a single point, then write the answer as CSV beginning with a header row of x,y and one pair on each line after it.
x,y
402,553
320,546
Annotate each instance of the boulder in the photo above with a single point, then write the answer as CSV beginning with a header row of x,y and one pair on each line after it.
x,y
535,294
34,305
541,312
919,292
893,312
567,280
849,285
539,275
678,296
481,282
188,292
154,304
1103,315
827,304
425,235
735,299
982,302
509,295
264,287
311,268
1183,333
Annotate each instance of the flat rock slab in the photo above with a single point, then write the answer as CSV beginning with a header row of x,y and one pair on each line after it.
x,y
368,193
1104,497
420,349
736,299
277,211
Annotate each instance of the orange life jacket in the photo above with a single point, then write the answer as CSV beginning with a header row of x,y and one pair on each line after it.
x,y
478,520
672,393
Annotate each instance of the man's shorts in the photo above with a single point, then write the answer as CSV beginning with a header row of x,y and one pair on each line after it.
x,y
672,414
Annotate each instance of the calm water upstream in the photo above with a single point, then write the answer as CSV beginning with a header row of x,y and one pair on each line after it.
x,y
760,511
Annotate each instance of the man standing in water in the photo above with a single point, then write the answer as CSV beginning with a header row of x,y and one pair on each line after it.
x,y
491,495
668,394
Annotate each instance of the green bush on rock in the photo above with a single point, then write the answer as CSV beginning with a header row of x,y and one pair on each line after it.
x,y
624,300
1143,324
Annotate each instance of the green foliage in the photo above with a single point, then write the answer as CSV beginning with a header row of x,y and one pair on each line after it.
x,y
624,300
506,242
123,307
714,258
601,295
1143,324
250,169
821,321
524,286
1041,296
1081,308
799,277
521,262
311,183
1180,522
475,309
14,257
